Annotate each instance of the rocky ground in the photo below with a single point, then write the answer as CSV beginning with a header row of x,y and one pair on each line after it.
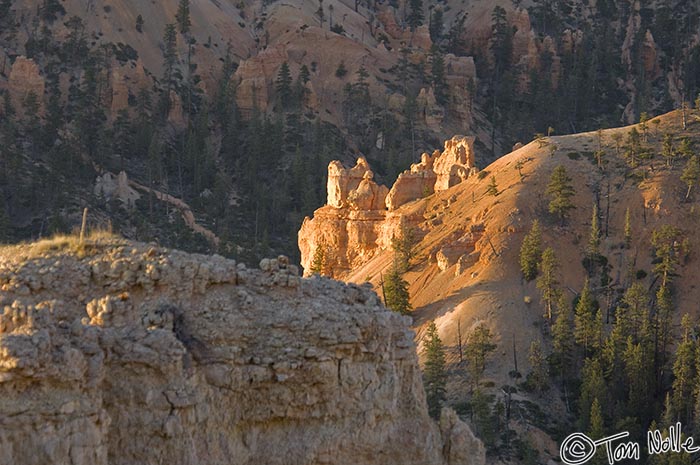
x,y
119,353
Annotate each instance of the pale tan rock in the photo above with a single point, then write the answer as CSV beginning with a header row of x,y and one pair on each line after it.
x,y
416,183
341,181
110,186
368,195
433,114
461,446
455,163
120,93
279,370
176,116
354,225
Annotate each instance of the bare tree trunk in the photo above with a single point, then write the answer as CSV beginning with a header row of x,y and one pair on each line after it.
x,y
83,226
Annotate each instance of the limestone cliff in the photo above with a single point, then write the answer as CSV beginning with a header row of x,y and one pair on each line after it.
x,y
360,217
124,353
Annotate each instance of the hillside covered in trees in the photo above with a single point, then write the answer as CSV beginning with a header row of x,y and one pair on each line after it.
x,y
224,116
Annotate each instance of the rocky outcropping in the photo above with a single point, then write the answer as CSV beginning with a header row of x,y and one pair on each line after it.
x,y
24,80
110,187
122,354
361,217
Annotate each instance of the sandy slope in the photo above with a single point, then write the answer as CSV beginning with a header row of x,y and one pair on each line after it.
x,y
492,290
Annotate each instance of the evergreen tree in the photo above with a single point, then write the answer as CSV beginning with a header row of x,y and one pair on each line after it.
x,y
547,282
416,16
492,188
396,290
169,60
183,17
304,74
633,315
531,252
592,388
628,228
594,236
563,336
436,25
597,430
283,86
139,23
683,390
637,377
403,247
434,373
691,174
668,151
666,242
560,190
587,323
437,71
479,346
538,377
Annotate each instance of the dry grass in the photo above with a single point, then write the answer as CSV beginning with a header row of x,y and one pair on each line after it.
x,y
94,242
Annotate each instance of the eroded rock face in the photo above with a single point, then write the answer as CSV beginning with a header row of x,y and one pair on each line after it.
x,y
455,163
360,217
25,79
133,354
342,181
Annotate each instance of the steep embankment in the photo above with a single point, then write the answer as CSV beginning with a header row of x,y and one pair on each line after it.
x,y
121,353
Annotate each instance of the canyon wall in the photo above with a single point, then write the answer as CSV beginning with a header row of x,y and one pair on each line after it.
x,y
127,353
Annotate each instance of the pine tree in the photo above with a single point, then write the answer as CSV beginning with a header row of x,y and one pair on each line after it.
x,y
637,378
560,190
415,17
594,236
436,25
668,151
586,322
691,174
563,336
633,315
183,16
547,282
434,374
318,261
169,59
479,346
283,86
538,378
597,430
304,74
437,71
666,242
683,389
396,290
628,228
139,23
531,252
403,247
592,387
492,188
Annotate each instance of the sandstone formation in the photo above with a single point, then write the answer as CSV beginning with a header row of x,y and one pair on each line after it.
x,y
455,163
124,354
25,79
360,217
